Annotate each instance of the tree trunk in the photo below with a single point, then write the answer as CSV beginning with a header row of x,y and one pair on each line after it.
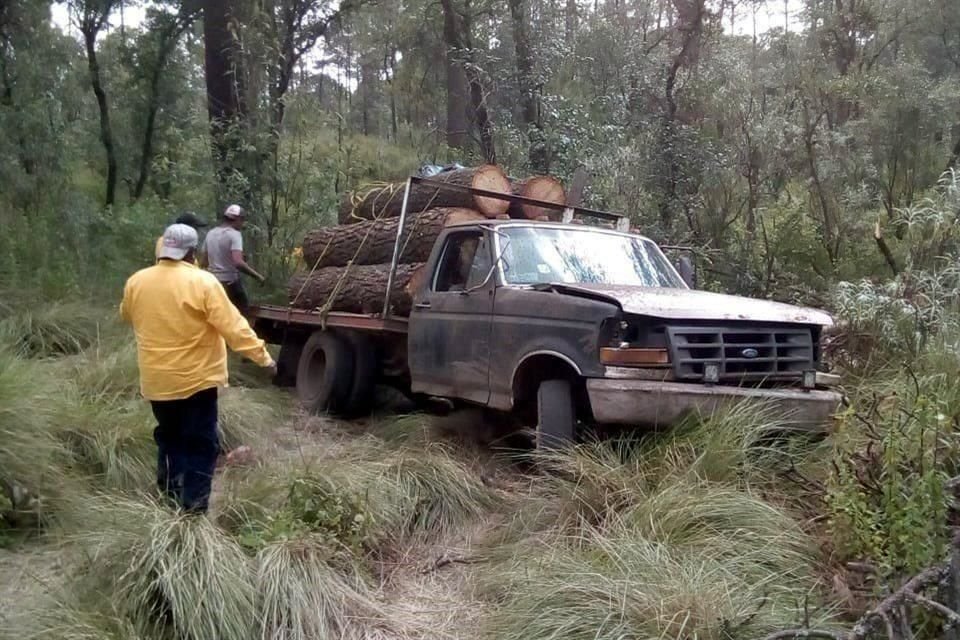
x,y
530,117
106,131
168,41
225,107
478,97
457,126
543,188
571,21
386,202
356,289
372,241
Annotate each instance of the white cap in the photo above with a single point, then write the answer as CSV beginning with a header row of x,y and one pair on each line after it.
x,y
178,239
233,211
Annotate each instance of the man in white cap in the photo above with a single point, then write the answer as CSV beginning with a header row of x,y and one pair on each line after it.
x,y
223,256
183,322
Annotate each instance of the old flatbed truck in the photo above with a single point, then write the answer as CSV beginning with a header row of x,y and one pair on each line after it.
x,y
561,324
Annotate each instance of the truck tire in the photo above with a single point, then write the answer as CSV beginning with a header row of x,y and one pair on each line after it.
x,y
360,398
287,362
556,416
324,373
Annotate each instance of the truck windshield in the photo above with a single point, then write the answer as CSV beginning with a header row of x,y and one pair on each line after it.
x,y
545,255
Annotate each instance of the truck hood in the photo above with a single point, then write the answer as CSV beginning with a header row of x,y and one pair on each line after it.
x,y
690,304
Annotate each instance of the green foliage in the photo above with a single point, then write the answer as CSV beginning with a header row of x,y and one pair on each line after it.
x,y
886,497
316,508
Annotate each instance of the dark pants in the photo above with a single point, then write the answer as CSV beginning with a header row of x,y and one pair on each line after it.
x,y
187,448
237,295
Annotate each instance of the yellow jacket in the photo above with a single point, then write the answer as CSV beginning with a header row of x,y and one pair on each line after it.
x,y
159,245
181,317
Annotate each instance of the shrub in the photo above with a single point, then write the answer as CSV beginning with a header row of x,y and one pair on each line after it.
x,y
886,496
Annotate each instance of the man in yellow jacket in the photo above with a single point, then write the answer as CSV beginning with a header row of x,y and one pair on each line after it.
x,y
183,323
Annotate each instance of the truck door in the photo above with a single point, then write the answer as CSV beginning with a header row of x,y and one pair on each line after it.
x,y
449,334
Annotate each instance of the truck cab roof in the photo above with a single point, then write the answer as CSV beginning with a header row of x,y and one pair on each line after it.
x,y
514,222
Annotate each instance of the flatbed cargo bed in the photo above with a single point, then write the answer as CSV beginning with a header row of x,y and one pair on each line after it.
x,y
270,321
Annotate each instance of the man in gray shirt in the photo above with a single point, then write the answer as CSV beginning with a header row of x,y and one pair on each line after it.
x,y
223,256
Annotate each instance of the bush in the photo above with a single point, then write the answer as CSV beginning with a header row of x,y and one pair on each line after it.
x,y
886,496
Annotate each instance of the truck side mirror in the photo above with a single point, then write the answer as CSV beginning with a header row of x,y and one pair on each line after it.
x,y
688,270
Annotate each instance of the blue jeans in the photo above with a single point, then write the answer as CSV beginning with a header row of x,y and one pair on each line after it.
x,y
187,448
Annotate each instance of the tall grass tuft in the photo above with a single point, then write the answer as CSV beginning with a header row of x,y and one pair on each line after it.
x,y
425,492
304,593
31,455
166,572
56,329
664,536
617,582
248,416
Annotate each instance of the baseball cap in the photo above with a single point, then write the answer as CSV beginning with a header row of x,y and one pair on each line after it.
x,y
233,211
178,239
191,219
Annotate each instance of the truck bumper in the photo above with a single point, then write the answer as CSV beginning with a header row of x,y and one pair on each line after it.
x,y
652,403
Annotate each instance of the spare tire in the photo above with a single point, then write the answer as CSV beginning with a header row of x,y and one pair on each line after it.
x,y
324,373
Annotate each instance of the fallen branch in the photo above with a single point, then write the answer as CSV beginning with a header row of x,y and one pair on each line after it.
x,y
445,560
794,634
952,616
890,604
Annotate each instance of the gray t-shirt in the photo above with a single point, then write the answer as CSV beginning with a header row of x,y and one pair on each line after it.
x,y
218,244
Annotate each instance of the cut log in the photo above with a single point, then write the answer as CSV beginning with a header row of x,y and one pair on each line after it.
x,y
386,201
545,188
359,289
372,241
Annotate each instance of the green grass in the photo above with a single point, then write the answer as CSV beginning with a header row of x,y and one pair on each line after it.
x,y
694,532
303,594
51,330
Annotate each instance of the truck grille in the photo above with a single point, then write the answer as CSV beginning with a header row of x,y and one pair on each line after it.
x,y
748,354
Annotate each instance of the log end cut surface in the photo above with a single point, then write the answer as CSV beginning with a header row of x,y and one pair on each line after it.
x,y
491,178
545,188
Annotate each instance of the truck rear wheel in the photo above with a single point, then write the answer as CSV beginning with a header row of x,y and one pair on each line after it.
x,y
556,415
360,399
324,373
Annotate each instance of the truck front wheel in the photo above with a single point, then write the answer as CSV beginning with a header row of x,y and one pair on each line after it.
x,y
556,415
324,373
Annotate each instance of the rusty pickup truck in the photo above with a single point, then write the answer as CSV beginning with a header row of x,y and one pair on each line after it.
x,y
563,325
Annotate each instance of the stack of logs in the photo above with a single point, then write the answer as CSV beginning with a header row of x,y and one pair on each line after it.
x,y
347,265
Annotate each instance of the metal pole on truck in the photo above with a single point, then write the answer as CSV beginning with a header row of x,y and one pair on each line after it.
x,y
396,249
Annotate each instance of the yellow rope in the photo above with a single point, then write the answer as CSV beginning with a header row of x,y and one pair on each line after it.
x,y
390,189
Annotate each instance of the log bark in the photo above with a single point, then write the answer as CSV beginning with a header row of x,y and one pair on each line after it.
x,y
355,289
372,241
543,188
386,201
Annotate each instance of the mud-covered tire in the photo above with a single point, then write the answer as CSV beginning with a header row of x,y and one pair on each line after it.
x,y
556,415
288,360
360,398
324,373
